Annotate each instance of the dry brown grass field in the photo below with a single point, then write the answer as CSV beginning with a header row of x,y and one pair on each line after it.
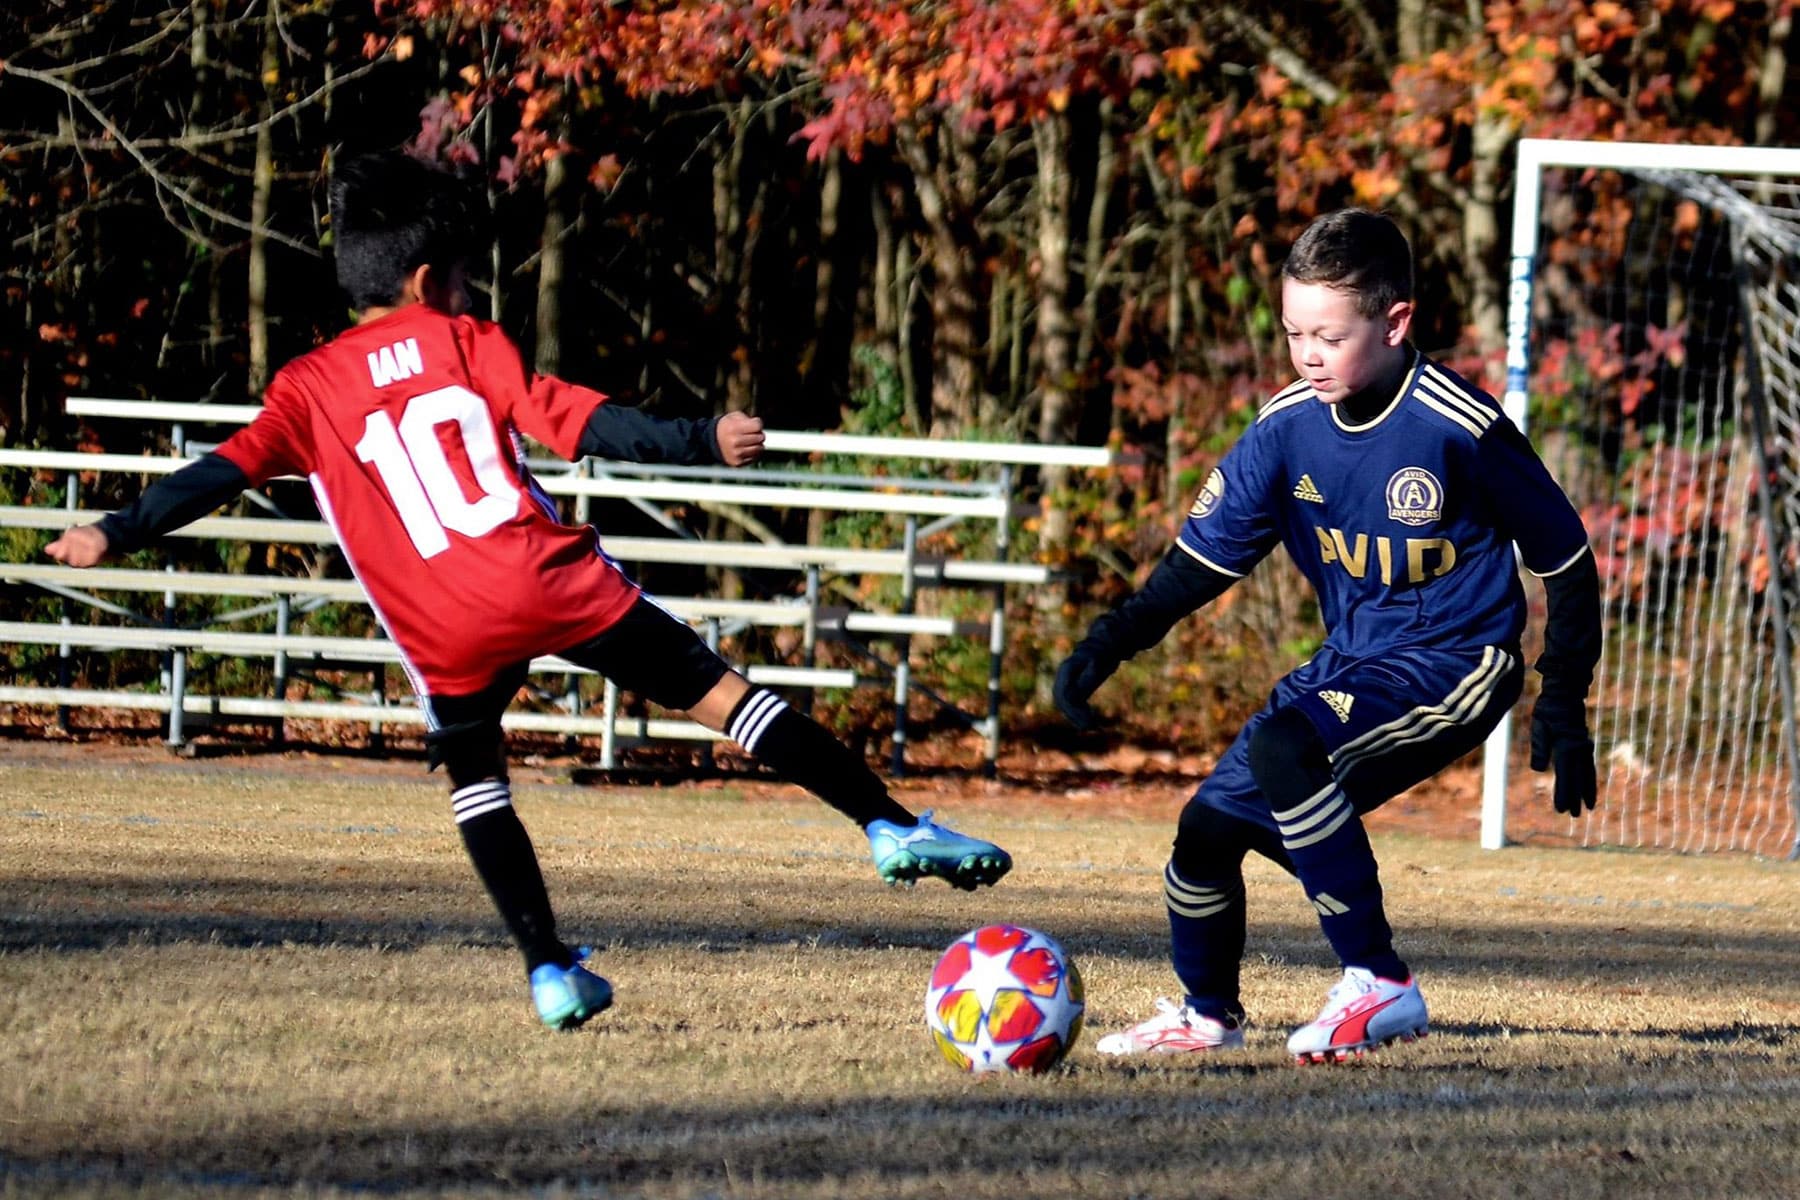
x,y
241,977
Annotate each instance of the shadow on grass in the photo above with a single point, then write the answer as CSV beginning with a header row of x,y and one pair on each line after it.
x,y
631,908
1087,1126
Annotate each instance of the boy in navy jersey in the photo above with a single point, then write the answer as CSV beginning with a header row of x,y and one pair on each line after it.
x,y
408,427
1399,489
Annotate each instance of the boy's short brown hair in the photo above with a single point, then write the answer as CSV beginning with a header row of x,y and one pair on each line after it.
x,y
1356,251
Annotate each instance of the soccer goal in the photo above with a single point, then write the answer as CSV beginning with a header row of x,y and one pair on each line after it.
x,y
1653,344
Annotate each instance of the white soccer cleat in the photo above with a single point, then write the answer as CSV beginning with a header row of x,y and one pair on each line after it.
x,y
1175,1029
1362,1013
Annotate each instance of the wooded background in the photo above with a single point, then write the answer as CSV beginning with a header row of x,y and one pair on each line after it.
x,y
1049,221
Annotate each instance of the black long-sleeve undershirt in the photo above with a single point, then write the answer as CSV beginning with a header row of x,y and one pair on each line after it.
x,y
626,434
1177,587
172,501
1571,630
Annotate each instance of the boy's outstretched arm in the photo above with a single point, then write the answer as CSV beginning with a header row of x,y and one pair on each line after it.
x,y
169,503
1559,728
1179,585
630,435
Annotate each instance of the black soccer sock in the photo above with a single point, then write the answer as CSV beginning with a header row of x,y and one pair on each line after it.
x,y
504,858
801,751
1206,939
1324,839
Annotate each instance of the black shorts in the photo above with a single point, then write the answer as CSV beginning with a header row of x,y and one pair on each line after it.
x,y
648,651
655,654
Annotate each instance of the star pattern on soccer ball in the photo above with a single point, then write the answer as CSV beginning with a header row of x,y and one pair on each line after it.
x,y
988,974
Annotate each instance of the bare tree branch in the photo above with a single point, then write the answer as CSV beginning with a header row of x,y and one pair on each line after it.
x,y
156,175
1284,59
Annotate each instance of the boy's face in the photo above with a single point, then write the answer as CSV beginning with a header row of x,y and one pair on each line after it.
x,y
1334,347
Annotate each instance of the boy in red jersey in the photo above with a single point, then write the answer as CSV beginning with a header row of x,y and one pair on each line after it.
x,y
409,427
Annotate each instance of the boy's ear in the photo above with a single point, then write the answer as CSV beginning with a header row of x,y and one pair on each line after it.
x,y
1399,322
414,289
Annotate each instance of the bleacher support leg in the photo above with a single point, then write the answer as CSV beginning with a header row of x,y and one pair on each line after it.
x,y
609,712
64,671
378,693
65,674
809,635
997,630
282,606
571,702
903,649
177,699
707,763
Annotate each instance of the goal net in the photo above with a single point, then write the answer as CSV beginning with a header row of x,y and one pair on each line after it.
x,y
1654,357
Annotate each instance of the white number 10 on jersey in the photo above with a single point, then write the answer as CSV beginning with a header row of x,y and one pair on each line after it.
x,y
417,474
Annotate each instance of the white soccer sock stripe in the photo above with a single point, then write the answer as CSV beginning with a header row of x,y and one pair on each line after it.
x,y
1311,810
1299,843
754,718
1315,819
1186,900
478,798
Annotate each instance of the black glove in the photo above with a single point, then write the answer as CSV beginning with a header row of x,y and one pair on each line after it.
x,y
1177,587
1559,740
1084,670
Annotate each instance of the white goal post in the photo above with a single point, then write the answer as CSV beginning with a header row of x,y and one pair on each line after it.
x,y
1653,331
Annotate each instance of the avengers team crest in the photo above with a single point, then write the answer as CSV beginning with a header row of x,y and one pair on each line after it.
x,y
1211,492
1415,497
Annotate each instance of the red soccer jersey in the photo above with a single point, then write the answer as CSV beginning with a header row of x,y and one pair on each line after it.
x,y
408,429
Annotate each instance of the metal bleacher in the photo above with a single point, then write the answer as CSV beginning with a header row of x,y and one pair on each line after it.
x,y
137,610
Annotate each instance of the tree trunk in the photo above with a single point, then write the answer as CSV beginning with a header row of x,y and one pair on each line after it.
x,y
490,153
884,299
1409,29
956,385
1772,79
262,185
1055,330
894,299
1106,171
731,260
1491,139
1174,441
558,193
843,234
1055,345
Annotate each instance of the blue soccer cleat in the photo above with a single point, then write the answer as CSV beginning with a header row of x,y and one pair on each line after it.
x,y
905,855
567,996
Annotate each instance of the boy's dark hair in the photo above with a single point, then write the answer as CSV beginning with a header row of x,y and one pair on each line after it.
x,y
1356,251
391,214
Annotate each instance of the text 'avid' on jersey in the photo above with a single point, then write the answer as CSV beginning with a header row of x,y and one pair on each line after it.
x,y
390,364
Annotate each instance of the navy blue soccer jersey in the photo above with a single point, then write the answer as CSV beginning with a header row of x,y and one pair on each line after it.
x,y
1404,525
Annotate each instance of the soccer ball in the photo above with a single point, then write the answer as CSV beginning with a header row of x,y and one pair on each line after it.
x,y
1003,998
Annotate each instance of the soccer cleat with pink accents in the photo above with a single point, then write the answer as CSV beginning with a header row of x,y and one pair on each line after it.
x,y
1362,1013
1175,1029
